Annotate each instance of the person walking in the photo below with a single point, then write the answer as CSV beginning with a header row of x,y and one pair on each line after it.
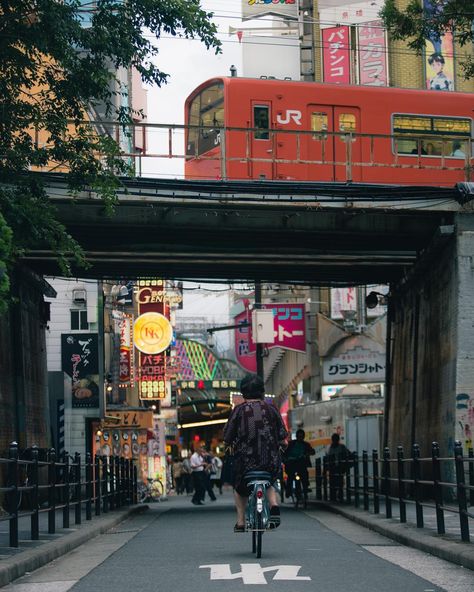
x,y
198,465
177,470
187,476
338,457
256,432
216,474
208,469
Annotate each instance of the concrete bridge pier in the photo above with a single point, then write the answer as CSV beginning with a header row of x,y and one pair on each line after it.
x,y
430,394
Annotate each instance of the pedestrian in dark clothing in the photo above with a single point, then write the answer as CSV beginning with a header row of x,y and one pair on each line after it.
x,y
207,478
297,460
338,459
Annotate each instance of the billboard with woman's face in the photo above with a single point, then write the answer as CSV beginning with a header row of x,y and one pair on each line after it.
x,y
439,56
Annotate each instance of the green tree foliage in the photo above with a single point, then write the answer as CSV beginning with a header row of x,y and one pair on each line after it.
x,y
415,24
60,60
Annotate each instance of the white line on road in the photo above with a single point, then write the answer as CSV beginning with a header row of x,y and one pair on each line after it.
x,y
254,573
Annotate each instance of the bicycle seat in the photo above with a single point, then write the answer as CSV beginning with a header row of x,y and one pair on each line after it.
x,y
257,476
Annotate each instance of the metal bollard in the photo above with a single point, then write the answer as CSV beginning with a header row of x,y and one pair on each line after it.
x,y
356,479
319,479
365,478
97,485
13,494
461,491
78,488
88,486
105,484
65,490
118,499
471,476
437,490
52,491
387,482
34,494
401,484
325,479
416,486
375,474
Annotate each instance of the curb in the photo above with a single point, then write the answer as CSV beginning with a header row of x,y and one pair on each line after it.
x,y
18,565
435,544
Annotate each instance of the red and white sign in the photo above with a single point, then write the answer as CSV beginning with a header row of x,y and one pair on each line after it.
x,y
342,299
289,331
336,55
372,54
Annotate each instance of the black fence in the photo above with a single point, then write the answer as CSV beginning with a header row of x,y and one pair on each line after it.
x,y
41,482
443,484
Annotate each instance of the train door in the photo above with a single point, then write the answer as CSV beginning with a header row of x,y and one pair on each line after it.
x,y
347,148
261,141
331,156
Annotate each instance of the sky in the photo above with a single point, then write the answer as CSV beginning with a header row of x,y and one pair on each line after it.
x,y
188,63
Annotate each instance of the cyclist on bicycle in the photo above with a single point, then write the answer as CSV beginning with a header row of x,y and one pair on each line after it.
x,y
255,431
297,460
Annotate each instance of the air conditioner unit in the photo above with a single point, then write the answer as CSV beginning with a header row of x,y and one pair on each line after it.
x,y
79,296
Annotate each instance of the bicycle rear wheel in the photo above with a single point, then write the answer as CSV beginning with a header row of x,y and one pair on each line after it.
x,y
259,534
156,491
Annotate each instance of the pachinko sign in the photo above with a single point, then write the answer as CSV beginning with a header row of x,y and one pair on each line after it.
x,y
336,55
372,54
256,8
152,335
289,323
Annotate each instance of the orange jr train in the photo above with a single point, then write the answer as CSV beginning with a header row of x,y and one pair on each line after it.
x,y
243,128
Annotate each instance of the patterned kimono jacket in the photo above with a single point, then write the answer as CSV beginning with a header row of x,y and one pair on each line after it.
x,y
255,430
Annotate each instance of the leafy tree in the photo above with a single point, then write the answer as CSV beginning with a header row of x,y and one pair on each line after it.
x,y
417,24
60,59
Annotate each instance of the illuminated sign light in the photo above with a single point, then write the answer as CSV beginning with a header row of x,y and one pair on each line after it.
x,y
205,384
198,424
152,333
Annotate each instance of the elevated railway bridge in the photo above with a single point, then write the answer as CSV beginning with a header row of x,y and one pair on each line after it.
x,y
420,240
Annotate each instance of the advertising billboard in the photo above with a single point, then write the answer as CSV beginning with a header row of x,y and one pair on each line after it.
x,y
336,55
287,9
372,54
80,361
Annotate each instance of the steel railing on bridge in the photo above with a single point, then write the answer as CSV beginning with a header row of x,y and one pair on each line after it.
x,y
376,483
301,148
31,487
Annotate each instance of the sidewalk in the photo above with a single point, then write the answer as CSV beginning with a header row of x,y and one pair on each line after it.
x,y
448,546
30,555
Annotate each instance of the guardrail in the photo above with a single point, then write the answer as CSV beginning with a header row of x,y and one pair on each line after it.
x,y
424,482
33,487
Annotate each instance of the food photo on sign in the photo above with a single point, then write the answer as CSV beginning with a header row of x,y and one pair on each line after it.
x,y
80,361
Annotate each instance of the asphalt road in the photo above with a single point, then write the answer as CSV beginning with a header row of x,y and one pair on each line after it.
x,y
176,546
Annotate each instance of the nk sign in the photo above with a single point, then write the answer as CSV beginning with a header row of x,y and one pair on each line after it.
x,y
152,333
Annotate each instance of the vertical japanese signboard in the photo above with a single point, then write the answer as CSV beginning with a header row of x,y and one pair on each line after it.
x,y
336,55
289,332
126,350
372,54
150,297
80,361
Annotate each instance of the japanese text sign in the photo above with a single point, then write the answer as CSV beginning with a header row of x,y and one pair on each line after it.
x,y
80,361
336,55
372,53
358,365
289,332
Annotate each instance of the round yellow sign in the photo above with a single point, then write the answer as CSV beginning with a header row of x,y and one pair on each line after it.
x,y
152,333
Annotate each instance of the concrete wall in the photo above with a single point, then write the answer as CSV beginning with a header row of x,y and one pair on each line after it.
x,y
424,353
24,410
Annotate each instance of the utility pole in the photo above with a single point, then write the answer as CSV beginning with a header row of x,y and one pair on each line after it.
x,y
259,346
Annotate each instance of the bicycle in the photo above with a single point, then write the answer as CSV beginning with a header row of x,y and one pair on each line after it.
x,y
152,491
258,508
298,493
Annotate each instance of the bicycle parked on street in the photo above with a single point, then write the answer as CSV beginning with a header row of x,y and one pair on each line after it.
x,y
152,491
258,508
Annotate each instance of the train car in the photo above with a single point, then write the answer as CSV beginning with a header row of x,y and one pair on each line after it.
x,y
243,128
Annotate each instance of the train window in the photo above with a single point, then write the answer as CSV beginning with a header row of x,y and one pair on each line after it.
x,y
347,122
261,121
319,124
206,110
431,135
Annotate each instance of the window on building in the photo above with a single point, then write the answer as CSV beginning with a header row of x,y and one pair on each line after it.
x,y
431,135
79,320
